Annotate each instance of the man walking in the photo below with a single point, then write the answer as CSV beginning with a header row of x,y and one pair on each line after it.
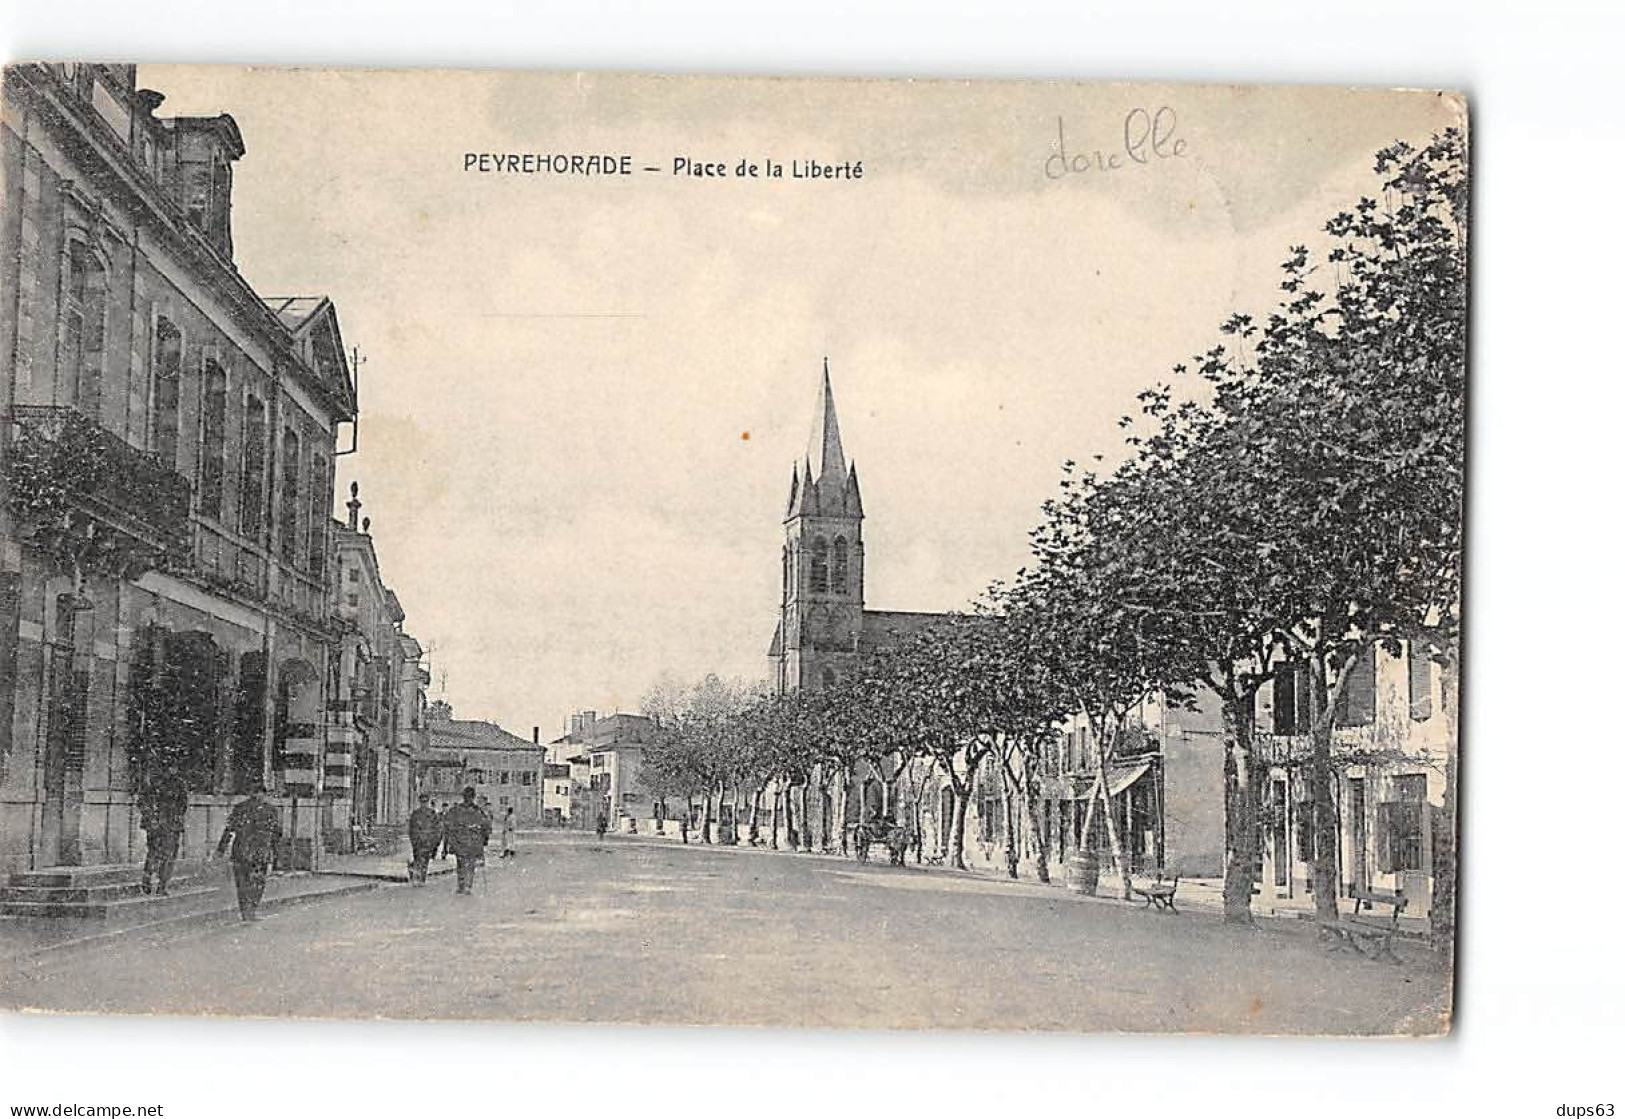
x,y
468,830
251,835
163,817
424,831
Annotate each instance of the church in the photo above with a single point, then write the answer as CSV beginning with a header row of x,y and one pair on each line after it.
x,y
824,628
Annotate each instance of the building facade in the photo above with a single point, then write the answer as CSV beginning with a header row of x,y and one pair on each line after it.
x,y
612,747
379,706
166,465
504,770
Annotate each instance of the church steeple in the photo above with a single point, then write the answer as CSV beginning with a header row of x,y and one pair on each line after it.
x,y
821,612
824,452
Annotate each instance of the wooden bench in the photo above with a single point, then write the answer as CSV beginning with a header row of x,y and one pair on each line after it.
x,y
1159,893
1373,936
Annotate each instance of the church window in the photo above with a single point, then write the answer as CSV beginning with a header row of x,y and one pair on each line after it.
x,y
820,566
837,571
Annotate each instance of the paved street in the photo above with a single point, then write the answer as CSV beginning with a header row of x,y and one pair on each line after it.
x,y
620,930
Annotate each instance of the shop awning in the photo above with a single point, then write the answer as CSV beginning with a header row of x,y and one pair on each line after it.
x,y
1120,775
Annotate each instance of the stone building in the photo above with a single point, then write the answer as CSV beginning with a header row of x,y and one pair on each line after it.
x,y
166,465
378,709
503,768
612,746
1393,727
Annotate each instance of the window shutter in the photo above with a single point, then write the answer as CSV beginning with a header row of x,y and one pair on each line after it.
x,y
1385,832
1420,676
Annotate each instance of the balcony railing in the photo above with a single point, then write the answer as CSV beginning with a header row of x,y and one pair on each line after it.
x,y
65,466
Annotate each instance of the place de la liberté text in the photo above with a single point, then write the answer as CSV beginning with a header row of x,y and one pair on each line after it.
x,y
600,165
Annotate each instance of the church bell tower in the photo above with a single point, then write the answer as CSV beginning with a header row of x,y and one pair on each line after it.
x,y
821,604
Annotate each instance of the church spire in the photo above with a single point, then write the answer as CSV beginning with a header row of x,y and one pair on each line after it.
x,y
826,455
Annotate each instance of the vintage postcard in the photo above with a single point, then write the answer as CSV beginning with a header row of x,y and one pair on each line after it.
x,y
812,553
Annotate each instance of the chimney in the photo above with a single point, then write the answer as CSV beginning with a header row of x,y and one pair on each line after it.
x,y
536,736
204,149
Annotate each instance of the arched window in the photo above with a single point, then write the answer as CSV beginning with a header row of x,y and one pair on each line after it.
x,y
837,572
211,481
84,311
251,504
820,566
166,391
289,512
827,680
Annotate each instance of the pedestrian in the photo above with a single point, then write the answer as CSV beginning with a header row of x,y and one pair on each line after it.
x,y
425,832
468,830
163,818
508,828
251,835
603,823
445,851
682,825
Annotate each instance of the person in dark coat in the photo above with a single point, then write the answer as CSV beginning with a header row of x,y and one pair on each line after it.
x,y
163,818
468,830
425,832
251,835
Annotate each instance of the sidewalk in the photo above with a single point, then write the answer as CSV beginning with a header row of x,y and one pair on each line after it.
x,y
384,867
27,936
1201,895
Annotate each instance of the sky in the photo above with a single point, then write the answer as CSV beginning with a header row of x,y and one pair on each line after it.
x,y
582,396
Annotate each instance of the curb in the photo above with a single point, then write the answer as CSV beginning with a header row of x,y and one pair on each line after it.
x,y
189,920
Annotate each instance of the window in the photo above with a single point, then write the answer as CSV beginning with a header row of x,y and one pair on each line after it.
x,y
289,517
1399,825
166,392
1290,706
84,311
820,566
527,778
503,777
1357,703
251,499
211,479
828,678
320,503
1419,666
837,573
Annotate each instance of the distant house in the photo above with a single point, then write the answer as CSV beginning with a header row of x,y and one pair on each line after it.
x,y
501,767
611,747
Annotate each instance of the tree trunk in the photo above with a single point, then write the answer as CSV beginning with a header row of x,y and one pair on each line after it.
x,y
756,817
804,836
1012,854
1442,914
773,837
839,814
956,851
1320,789
1104,785
705,827
1040,832
1242,776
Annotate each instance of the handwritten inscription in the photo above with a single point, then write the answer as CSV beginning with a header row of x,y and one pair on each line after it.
x,y
1148,137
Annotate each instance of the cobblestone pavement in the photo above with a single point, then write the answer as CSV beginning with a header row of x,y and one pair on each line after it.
x,y
580,930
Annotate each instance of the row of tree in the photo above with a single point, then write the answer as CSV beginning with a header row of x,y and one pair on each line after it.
x,y
1289,499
